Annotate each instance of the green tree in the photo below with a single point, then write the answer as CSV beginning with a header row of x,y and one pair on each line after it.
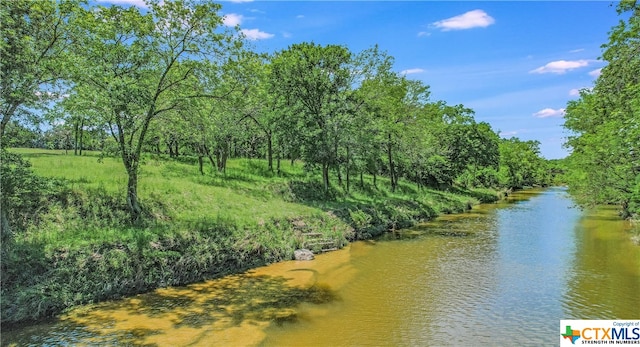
x,y
141,65
363,149
521,164
313,80
605,122
19,135
33,55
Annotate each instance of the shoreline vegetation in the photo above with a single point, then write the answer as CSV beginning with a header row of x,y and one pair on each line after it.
x,y
351,149
78,247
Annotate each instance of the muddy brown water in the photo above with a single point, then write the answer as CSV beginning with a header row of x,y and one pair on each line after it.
x,y
502,274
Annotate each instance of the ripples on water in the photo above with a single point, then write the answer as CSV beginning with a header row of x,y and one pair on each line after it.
x,y
502,274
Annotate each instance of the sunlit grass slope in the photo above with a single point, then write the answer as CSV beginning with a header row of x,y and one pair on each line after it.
x,y
79,246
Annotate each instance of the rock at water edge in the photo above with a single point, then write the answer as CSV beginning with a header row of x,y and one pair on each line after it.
x,y
303,254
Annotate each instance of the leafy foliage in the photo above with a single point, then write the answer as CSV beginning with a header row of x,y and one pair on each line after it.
x,y
24,195
605,123
521,165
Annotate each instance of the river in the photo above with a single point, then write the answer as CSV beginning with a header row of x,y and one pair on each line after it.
x,y
501,274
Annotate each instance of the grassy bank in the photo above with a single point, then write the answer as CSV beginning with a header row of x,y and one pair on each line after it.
x,y
77,247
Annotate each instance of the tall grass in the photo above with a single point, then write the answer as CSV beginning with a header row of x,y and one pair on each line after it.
x,y
82,249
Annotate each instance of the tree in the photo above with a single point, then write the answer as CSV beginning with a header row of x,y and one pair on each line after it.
x,y
76,111
139,66
394,104
363,150
605,122
473,147
33,54
314,80
19,135
521,164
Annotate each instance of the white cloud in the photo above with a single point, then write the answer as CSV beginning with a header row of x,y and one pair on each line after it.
x,y
560,66
286,34
595,73
137,3
576,91
424,33
256,34
549,112
240,1
471,19
576,50
300,16
411,71
232,19
506,134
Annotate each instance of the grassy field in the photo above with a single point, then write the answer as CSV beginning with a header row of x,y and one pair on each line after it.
x,y
79,247
248,194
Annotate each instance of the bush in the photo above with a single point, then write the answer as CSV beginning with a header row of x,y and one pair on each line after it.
x,y
23,195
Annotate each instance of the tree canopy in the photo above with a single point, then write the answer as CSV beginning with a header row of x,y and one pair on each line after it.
x,y
605,123
173,80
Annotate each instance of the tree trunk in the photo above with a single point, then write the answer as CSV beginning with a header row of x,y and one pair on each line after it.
x,y
337,162
170,147
75,140
5,120
361,180
221,157
278,172
270,152
200,163
6,237
347,169
208,153
67,142
391,166
225,155
213,163
375,181
5,228
325,176
132,194
81,136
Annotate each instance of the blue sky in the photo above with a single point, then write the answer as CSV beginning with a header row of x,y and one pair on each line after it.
x,y
515,63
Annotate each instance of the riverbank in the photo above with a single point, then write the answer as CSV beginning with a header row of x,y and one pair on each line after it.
x,y
77,249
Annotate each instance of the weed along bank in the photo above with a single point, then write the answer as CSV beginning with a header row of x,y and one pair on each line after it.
x,y
83,249
398,287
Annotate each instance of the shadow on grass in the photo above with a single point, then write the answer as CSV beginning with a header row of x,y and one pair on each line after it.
x,y
369,211
44,154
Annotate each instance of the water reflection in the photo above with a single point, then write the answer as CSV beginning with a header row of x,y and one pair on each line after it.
x,y
605,271
502,274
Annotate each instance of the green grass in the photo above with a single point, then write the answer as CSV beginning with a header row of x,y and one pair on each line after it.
x,y
248,194
79,248
186,196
